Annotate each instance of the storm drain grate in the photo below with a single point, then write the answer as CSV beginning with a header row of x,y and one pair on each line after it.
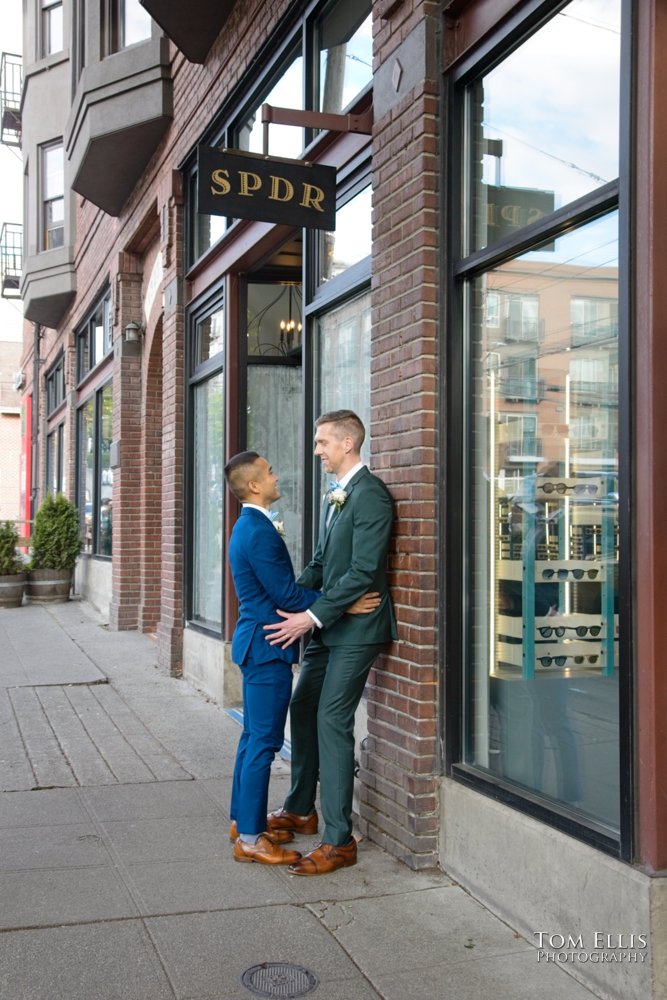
x,y
279,979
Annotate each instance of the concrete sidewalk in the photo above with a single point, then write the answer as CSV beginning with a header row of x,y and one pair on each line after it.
x,y
116,875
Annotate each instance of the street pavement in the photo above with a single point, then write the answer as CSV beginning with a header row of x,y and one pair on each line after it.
x,y
116,874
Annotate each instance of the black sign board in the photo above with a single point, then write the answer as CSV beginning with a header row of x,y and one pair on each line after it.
x,y
250,186
510,209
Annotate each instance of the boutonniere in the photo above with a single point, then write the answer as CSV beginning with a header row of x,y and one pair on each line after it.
x,y
277,523
337,497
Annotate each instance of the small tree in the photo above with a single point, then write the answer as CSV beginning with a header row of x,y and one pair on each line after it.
x,y
55,538
10,564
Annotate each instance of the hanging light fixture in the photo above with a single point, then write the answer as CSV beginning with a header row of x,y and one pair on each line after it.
x,y
290,329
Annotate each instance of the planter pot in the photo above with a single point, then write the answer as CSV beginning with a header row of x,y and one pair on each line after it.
x,y
48,586
11,590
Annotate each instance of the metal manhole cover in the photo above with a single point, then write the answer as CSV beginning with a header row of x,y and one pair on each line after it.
x,y
279,979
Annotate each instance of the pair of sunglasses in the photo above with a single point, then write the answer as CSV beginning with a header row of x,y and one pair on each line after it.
x,y
547,631
560,661
562,574
579,488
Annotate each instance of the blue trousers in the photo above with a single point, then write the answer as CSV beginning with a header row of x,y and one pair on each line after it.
x,y
266,693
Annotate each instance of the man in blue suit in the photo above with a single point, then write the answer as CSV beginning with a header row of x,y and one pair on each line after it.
x,y
264,580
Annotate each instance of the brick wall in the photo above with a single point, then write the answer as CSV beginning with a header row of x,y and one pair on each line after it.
x,y
400,765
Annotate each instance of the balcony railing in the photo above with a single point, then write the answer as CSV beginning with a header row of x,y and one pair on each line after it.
x,y
11,259
11,81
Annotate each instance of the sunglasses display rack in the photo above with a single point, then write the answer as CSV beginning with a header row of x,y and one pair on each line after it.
x,y
556,567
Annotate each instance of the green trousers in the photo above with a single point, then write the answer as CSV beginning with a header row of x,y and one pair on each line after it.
x,y
322,709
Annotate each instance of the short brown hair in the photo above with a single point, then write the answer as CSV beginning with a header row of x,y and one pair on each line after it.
x,y
238,472
348,425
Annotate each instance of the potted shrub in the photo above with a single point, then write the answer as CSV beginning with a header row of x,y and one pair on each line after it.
x,y
12,570
55,546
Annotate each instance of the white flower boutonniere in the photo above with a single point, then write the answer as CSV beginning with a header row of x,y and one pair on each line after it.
x,y
277,523
337,497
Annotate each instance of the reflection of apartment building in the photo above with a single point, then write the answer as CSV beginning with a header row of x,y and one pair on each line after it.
x,y
504,381
555,358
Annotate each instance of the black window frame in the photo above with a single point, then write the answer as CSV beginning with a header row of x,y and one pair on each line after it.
x,y
96,497
54,385
85,337
455,413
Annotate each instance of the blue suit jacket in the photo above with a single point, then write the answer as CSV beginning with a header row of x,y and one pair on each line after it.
x,y
264,580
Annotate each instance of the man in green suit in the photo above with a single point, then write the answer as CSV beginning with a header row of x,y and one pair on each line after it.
x,y
355,529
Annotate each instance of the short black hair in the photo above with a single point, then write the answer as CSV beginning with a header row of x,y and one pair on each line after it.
x,y
238,472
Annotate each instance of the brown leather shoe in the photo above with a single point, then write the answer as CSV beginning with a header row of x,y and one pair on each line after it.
x,y
277,836
283,820
265,852
325,858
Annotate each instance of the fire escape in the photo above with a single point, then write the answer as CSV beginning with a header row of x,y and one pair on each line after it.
x,y
11,234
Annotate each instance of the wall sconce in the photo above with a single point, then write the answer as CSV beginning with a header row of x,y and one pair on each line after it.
x,y
133,331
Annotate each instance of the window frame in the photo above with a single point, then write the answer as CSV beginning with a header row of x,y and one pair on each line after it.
x,y
456,411
85,337
47,9
96,498
45,202
198,374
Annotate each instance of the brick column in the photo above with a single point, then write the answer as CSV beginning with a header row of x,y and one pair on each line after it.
x,y
124,608
400,768
170,626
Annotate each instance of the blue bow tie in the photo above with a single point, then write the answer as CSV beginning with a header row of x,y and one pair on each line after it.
x,y
333,485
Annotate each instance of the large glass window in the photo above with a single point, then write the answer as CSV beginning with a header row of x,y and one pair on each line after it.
x,y
207,474
53,196
94,337
541,497
94,472
540,147
345,42
275,395
55,386
207,502
56,481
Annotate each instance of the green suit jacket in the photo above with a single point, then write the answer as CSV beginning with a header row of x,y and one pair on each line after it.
x,y
350,559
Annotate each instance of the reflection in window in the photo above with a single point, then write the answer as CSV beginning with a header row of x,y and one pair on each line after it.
x,y
207,502
94,472
53,200
544,686
94,337
105,483
128,22
274,319
210,336
284,140
346,54
351,240
56,481
541,146
52,27
343,373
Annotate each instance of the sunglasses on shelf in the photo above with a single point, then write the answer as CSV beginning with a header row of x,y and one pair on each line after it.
x,y
562,574
547,631
579,489
560,661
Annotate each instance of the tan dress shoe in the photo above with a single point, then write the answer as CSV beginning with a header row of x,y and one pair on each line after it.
x,y
283,820
265,852
325,858
277,836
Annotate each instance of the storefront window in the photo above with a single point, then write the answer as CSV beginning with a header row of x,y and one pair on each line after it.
x,y
284,140
55,477
351,240
94,472
345,39
344,363
545,529
275,396
541,146
209,336
540,499
208,499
